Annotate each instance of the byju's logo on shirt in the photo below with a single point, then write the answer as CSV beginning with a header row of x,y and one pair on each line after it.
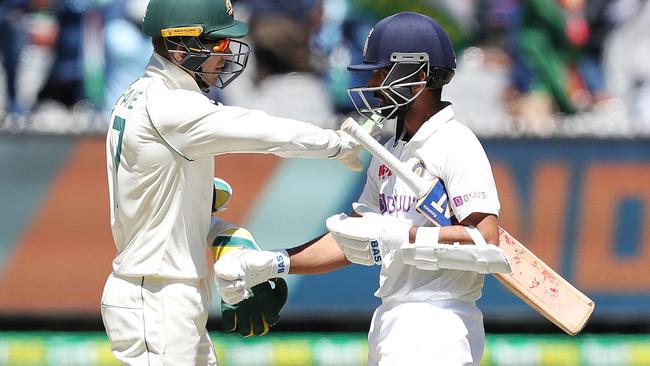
x,y
384,172
395,203
460,200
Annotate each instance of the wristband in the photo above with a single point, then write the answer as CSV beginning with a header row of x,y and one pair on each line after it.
x,y
281,263
427,236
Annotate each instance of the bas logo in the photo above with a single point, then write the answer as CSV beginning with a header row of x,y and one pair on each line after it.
x,y
281,266
384,172
376,253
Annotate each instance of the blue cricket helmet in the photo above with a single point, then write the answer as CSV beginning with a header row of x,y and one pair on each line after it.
x,y
410,44
406,33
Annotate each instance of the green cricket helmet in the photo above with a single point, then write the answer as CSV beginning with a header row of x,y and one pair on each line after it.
x,y
198,30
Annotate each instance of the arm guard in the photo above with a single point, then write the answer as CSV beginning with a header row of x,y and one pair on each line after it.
x,y
481,257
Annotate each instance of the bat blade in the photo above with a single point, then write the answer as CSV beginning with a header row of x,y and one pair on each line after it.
x,y
531,279
542,288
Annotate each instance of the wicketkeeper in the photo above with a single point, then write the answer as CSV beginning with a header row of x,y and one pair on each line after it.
x,y
160,147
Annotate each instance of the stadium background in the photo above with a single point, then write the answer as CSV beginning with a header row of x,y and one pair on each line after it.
x,y
573,183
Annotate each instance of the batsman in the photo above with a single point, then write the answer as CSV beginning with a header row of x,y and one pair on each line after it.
x,y
163,135
431,275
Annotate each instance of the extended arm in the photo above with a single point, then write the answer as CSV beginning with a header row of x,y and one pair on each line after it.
x,y
238,271
203,128
317,256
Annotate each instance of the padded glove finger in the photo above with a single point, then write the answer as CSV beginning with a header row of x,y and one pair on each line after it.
x,y
244,325
259,324
278,298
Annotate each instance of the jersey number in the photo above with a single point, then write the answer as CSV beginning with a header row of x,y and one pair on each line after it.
x,y
118,124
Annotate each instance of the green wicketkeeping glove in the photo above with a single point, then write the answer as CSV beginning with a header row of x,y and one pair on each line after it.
x,y
257,314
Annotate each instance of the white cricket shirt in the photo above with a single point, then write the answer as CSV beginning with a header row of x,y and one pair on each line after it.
x,y
159,149
446,149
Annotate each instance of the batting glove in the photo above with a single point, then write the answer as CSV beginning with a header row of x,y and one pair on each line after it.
x,y
237,271
366,240
257,314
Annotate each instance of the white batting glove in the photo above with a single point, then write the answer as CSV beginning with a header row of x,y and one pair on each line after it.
x,y
348,152
239,270
366,240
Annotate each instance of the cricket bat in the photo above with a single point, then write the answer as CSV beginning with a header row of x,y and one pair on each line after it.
x,y
531,279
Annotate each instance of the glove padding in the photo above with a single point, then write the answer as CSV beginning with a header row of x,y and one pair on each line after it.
x,y
237,271
482,257
258,313
366,240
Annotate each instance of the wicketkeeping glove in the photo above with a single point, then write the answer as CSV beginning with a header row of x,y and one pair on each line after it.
x,y
257,314
348,154
350,147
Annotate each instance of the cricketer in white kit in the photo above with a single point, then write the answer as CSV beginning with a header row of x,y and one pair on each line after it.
x,y
160,150
428,315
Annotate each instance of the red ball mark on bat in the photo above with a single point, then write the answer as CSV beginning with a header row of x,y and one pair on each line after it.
x,y
534,284
554,292
548,276
509,240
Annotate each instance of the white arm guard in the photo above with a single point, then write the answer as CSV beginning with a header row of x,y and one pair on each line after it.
x,y
481,257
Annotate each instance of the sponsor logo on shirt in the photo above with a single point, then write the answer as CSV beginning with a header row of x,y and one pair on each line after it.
x,y
460,200
384,172
395,203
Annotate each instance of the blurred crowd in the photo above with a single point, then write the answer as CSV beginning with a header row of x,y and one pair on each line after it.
x,y
524,65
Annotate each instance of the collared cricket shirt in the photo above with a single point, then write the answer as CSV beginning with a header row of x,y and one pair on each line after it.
x,y
160,151
443,148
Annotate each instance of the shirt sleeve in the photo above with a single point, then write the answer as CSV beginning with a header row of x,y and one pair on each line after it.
x,y
467,175
194,126
370,194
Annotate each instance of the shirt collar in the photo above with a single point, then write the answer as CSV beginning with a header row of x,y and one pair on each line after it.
x,y
173,76
434,123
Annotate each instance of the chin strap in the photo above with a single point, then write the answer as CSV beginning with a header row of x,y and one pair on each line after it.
x,y
399,126
201,83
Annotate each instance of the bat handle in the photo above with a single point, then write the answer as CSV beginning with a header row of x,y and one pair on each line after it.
x,y
417,184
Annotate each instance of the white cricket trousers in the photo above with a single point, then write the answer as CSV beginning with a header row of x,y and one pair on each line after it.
x,y
155,321
441,333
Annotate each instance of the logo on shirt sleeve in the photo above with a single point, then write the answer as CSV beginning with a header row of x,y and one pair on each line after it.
x,y
461,200
418,168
